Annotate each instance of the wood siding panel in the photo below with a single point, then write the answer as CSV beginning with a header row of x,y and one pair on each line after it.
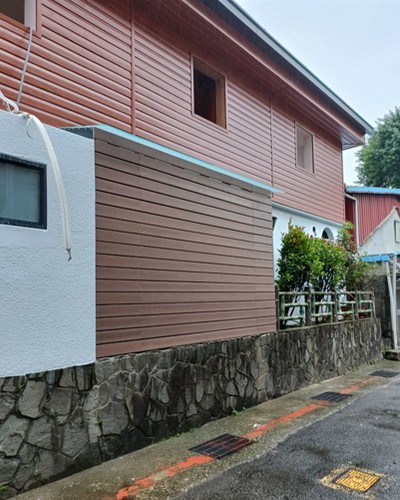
x,y
164,112
181,258
80,68
320,192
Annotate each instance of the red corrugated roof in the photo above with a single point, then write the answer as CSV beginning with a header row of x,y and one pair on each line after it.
x,y
372,210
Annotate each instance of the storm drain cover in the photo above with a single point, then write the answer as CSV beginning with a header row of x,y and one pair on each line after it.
x,y
222,446
384,373
332,397
357,480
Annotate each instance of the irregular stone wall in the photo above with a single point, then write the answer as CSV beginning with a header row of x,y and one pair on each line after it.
x,y
55,423
382,304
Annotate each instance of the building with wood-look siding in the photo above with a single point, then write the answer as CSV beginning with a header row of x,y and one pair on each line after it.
x,y
374,213
206,132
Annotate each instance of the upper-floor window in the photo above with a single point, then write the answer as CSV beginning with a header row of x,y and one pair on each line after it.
x,y
304,149
22,193
208,93
23,11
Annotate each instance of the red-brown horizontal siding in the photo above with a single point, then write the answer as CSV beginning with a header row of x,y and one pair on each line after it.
x,y
81,71
80,68
164,111
320,192
181,258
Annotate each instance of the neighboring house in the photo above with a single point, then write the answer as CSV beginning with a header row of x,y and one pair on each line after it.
x,y
374,212
385,238
205,129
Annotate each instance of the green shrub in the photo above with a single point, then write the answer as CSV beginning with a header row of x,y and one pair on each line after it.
x,y
297,261
357,270
329,269
322,265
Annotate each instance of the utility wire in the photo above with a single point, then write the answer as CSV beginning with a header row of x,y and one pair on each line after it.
x,y
21,83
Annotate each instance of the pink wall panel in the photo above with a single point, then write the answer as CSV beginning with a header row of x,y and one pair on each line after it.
x,y
89,64
80,67
164,112
319,192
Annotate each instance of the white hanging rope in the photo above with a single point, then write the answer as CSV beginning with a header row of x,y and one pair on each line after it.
x,y
12,107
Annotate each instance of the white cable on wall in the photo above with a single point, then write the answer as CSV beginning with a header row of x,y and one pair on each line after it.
x,y
12,107
21,83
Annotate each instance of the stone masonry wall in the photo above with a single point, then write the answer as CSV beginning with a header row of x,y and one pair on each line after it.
x,y
382,304
55,423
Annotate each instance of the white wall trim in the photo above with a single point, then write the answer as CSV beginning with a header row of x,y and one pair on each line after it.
x,y
306,214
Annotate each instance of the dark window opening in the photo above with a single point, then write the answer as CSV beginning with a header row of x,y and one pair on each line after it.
x,y
22,193
327,234
23,11
205,97
208,93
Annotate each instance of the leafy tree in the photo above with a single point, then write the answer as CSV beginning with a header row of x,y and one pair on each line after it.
x,y
323,265
330,274
356,269
297,263
379,160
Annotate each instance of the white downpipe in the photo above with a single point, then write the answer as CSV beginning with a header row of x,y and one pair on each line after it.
x,y
12,107
59,182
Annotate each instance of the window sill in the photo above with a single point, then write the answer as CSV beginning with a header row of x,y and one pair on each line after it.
x,y
212,125
305,170
37,32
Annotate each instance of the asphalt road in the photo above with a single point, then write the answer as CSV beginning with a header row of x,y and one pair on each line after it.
x,y
365,435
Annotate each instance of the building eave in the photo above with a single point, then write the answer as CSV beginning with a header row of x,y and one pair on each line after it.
x,y
182,160
241,16
372,190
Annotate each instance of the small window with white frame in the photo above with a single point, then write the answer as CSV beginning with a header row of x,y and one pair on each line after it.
x,y
208,93
22,11
22,193
304,149
397,231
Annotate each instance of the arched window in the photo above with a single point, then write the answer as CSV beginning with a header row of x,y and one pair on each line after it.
x,y
327,234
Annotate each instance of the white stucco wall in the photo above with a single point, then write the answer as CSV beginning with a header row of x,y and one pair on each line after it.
x,y
47,311
308,221
382,239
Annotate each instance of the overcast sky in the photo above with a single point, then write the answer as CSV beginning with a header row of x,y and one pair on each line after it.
x,y
353,46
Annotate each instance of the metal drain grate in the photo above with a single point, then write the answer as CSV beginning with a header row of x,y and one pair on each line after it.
x,y
332,397
222,446
358,480
384,373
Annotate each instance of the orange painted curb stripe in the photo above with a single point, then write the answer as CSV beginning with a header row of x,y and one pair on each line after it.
x,y
281,420
149,481
356,387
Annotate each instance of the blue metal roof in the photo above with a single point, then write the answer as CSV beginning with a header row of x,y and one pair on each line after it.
x,y
372,190
376,258
385,257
